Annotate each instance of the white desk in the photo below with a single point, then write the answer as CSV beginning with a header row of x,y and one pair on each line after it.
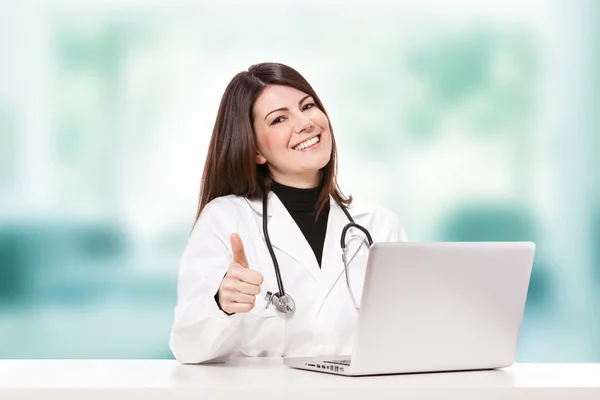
x,y
266,379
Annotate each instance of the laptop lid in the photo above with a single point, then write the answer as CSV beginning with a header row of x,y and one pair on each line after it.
x,y
441,306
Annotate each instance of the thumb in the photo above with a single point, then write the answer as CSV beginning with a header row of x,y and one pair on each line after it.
x,y
237,247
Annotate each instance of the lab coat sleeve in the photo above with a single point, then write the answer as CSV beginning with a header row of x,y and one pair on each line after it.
x,y
399,231
201,332
402,233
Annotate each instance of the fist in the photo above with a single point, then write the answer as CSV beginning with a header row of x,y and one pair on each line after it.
x,y
238,290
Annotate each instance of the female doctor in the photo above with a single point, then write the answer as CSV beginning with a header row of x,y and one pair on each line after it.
x,y
262,273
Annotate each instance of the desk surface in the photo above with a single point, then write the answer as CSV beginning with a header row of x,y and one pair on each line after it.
x,y
255,378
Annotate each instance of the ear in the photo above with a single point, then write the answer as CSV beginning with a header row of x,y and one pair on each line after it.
x,y
260,159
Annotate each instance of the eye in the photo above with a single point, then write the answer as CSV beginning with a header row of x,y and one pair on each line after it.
x,y
308,106
276,120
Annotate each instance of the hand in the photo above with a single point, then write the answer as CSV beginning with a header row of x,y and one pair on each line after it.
x,y
238,290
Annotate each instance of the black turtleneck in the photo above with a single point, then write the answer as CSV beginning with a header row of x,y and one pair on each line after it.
x,y
301,204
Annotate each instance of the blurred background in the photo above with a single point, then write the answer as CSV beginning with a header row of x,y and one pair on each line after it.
x,y
472,120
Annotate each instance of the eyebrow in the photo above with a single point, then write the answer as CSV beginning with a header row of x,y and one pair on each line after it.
x,y
285,108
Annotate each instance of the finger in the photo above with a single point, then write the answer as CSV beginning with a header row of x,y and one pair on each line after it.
x,y
237,297
235,281
249,276
237,247
232,295
247,288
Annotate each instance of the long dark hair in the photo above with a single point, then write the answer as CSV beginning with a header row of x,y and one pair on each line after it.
x,y
231,166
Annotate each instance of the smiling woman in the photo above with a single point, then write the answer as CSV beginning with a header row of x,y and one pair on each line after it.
x,y
295,139
270,210
264,113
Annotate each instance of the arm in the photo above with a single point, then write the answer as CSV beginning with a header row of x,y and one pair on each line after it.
x,y
397,233
201,332
401,232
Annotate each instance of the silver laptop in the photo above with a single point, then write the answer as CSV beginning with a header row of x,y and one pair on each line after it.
x,y
436,307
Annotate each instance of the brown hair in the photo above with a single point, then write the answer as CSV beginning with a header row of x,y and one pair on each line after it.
x,y
230,166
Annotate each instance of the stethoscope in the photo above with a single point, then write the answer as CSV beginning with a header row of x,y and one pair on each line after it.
x,y
281,300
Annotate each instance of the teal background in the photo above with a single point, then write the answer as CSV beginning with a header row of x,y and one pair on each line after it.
x,y
472,120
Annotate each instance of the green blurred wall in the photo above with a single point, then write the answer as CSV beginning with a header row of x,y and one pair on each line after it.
x,y
472,121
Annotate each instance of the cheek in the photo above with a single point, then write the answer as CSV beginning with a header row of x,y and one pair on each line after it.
x,y
261,143
323,121
273,141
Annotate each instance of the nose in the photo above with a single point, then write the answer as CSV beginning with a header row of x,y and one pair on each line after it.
x,y
303,124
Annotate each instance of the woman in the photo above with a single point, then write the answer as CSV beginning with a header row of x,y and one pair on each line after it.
x,y
272,141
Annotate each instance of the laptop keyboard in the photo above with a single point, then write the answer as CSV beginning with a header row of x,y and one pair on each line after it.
x,y
339,362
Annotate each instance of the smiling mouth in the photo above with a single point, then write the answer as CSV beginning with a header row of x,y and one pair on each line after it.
x,y
307,144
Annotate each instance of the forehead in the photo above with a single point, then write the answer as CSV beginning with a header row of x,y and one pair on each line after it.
x,y
276,96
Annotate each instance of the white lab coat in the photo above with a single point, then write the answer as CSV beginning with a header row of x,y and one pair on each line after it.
x,y
325,317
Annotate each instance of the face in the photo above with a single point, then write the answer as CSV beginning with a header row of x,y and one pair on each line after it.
x,y
293,136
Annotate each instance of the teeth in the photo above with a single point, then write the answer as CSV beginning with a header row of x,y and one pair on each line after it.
x,y
307,143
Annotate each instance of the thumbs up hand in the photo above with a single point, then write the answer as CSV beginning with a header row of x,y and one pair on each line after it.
x,y
238,290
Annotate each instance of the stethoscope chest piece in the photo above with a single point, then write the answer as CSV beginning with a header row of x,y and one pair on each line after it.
x,y
284,304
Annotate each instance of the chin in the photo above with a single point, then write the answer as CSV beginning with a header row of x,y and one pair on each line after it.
x,y
314,165
319,166
317,162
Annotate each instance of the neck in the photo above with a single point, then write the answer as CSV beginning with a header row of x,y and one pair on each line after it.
x,y
297,199
300,182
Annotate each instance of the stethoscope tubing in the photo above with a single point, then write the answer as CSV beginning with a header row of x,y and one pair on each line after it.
x,y
348,226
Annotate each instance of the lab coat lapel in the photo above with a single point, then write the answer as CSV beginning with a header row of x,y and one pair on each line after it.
x,y
333,265
286,236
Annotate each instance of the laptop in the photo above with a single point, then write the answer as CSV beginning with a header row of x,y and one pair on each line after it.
x,y
433,307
